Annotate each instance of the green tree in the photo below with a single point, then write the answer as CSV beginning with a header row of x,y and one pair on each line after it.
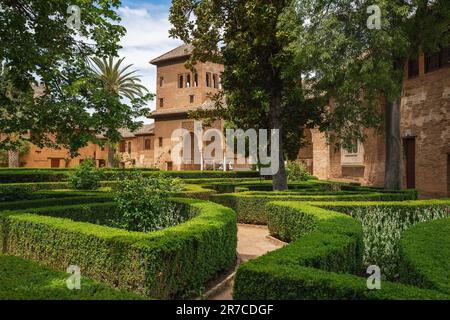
x,y
48,62
119,81
261,81
358,66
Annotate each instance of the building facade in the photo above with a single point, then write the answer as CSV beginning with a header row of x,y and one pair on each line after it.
x,y
135,149
425,132
179,91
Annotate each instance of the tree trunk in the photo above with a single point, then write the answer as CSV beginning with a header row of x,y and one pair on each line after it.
x,y
111,154
392,175
279,179
13,159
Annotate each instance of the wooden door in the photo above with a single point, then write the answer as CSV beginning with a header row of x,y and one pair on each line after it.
x,y
409,145
54,163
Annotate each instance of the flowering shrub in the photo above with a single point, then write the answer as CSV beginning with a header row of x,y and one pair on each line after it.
x,y
382,229
86,177
143,204
296,171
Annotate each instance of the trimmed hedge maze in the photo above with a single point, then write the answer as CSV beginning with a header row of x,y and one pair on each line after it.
x,y
324,257
251,206
175,262
45,227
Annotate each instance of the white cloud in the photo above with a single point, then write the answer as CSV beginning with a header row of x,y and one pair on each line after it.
x,y
147,37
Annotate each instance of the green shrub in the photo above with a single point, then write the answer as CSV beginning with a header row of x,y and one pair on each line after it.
x,y
47,202
63,174
251,207
382,229
425,255
86,176
323,260
296,171
27,280
143,203
170,263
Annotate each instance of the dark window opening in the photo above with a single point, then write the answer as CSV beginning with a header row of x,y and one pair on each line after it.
x,y
161,102
195,79
180,81
413,67
160,141
101,163
161,81
129,147
188,81
208,79
148,144
433,62
446,56
122,146
215,81
191,98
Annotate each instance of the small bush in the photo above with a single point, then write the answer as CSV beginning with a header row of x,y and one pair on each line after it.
x,y
296,171
143,205
86,176
382,229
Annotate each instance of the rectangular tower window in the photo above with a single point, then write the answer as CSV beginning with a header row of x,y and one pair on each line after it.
x,y
160,141
191,98
129,147
161,81
215,81
188,80
195,79
180,81
161,102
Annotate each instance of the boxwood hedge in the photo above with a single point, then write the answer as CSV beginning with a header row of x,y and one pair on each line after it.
x,y
425,255
250,207
26,280
322,261
51,175
170,263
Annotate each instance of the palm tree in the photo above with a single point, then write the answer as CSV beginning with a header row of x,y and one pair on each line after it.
x,y
11,93
117,80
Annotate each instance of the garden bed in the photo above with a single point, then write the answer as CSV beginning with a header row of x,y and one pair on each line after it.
x,y
170,263
323,259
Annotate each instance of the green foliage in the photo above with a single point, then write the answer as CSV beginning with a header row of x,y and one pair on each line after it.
x,y
323,260
62,199
117,79
68,95
86,176
58,175
250,206
425,252
143,202
260,73
382,229
296,171
27,280
170,263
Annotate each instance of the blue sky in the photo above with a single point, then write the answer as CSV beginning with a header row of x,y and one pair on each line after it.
x,y
147,36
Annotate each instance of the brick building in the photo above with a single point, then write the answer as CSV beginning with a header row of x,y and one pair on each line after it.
x,y
136,148
425,131
179,90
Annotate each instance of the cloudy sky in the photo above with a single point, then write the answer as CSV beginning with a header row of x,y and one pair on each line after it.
x,y
147,37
